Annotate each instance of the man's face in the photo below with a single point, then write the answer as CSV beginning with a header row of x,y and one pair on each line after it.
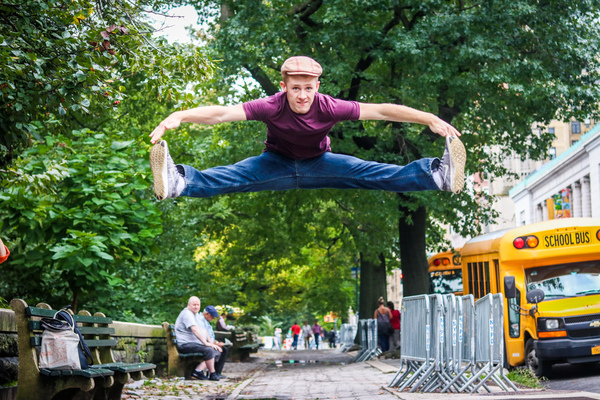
x,y
300,90
194,305
208,316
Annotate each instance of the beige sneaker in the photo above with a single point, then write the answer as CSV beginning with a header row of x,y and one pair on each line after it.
x,y
452,165
168,182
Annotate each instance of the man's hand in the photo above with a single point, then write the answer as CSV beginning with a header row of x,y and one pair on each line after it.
x,y
216,347
442,128
171,122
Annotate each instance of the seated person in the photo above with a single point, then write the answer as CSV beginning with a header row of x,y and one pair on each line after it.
x,y
208,315
221,324
4,253
192,337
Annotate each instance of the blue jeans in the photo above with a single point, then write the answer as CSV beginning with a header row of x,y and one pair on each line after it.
x,y
272,171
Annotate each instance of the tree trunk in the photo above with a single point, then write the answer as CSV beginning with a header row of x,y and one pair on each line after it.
x,y
373,283
413,255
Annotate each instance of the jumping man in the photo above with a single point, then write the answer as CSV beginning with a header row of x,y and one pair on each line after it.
x,y
298,152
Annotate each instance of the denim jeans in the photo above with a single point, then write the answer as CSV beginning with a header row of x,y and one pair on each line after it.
x,y
272,171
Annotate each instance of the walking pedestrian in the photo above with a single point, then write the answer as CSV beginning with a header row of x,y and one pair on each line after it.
x,y
317,333
297,151
306,334
296,333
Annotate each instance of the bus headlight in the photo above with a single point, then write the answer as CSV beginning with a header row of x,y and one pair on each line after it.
x,y
552,324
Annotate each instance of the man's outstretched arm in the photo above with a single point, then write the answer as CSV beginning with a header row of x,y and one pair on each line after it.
x,y
398,113
209,115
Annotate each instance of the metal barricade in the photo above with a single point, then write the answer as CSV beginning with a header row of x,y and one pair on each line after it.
x,y
447,338
347,335
489,345
368,331
416,360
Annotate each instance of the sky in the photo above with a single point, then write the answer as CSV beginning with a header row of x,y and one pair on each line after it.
x,y
174,28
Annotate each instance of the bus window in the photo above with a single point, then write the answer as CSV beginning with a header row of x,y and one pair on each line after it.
x,y
497,275
514,319
565,280
449,281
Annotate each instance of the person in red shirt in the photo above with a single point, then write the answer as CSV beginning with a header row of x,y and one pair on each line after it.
x,y
4,253
296,333
297,152
395,320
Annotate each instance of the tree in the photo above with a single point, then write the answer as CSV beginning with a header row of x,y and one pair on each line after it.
x,y
70,60
98,219
490,68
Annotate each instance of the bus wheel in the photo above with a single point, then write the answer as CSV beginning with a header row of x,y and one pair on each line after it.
x,y
539,367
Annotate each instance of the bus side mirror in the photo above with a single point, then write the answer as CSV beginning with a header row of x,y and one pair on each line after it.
x,y
510,290
535,296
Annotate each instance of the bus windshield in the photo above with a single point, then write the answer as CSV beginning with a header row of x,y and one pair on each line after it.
x,y
565,280
444,282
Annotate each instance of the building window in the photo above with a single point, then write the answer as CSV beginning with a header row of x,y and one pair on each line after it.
x,y
550,130
573,142
575,127
552,153
522,217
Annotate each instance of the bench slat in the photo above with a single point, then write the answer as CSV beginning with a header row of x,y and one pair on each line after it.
x,y
123,367
189,355
88,373
85,330
92,330
37,341
42,312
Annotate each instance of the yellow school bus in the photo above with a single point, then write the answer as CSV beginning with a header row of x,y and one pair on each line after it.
x,y
445,273
549,273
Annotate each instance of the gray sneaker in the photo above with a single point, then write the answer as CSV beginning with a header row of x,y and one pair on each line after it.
x,y
168,182
452,166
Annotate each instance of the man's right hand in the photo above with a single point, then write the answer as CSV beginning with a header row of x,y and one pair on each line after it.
x,y
171,122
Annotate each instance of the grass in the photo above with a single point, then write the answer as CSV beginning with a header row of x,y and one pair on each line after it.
x,y
526,377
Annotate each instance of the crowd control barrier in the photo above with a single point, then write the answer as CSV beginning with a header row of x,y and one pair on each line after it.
x,y
451,344
347,335
367,328
489,343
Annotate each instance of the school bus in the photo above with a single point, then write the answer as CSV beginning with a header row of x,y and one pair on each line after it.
x,y
445,273
549,273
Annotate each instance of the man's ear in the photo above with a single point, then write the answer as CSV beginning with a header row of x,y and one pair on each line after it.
x,y
283,86
317,86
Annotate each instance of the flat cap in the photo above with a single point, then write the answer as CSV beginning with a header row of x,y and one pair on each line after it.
x,y
301,65
212,311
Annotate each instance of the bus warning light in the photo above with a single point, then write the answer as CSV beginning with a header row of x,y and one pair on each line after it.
x,y
519,243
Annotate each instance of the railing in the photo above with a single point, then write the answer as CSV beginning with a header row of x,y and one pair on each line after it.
x,y
347,334
368,336
451,344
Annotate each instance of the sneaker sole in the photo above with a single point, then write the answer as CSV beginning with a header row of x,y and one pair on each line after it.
x,y
158,163
458,158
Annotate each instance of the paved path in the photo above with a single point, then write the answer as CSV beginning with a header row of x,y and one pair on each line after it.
x,y
312,374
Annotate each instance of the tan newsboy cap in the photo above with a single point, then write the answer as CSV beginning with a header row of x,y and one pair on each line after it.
x,y
301,65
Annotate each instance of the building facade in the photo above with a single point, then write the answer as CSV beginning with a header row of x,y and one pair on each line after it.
x,y
567,186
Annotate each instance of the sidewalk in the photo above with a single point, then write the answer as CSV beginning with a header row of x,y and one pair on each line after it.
x,y
312,374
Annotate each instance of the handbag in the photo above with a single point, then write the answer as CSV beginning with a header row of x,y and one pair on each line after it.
x,y
63,346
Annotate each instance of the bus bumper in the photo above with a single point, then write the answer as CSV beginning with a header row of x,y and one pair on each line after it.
x,y
572,351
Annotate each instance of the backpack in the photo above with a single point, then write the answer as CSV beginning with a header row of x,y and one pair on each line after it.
x,y
384,326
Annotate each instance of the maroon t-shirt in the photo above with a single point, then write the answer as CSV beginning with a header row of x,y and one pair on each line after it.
x,y
300,136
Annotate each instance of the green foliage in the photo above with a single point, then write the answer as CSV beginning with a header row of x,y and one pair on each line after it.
x,y
65,60
526,377
97,220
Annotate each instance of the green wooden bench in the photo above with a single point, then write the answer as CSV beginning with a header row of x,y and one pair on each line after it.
x,y
243,342
104,380
179,364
